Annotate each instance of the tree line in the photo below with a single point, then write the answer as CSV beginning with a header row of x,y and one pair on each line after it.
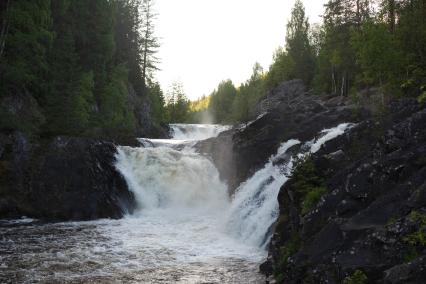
x,y
81,68
375,45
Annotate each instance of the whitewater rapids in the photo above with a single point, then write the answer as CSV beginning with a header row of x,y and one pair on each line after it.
x,y
186,229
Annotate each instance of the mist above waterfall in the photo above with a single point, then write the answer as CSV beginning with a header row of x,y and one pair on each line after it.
x,y
255,206
162,177
169,175
196,131
187,227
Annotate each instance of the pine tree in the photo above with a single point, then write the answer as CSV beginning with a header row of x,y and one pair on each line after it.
x,y
298,46
222,100
177,103
149,42
5,23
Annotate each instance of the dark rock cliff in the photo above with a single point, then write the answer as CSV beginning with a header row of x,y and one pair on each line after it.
x,y
369,223
288,112
63,179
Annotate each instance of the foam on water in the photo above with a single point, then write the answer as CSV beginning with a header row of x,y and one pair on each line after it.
x,y
329,134
196,131
162,177
186,228
255,206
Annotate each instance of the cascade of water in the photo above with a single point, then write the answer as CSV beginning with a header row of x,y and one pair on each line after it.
x,y
169,174
162,177
255,206
186,231
196,131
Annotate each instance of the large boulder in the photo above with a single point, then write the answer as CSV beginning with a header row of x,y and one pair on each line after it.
x,y
287,112
63,179
371,221
20,111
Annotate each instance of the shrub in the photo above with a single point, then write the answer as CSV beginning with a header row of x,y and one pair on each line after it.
x,y
358,277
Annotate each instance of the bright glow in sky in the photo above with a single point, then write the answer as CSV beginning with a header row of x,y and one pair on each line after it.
x,y
206,41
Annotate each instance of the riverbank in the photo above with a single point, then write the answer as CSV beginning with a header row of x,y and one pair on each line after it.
x,y
353,211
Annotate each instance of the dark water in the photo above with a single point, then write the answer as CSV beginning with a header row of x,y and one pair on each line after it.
x,y
120,251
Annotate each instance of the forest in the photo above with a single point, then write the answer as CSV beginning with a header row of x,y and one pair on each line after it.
x,y
81,68
87,68
310,171
362,47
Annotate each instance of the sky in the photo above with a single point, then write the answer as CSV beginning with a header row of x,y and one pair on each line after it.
x,y
206,41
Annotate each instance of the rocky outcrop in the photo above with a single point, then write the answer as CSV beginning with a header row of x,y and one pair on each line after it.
x,y
63,179
370,225
366,219
288,112
20,111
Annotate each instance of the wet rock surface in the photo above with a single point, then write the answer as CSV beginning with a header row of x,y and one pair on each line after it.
x,y
61,179
372,220
288,112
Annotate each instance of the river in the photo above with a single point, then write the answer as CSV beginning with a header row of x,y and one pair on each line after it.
x,y
186,229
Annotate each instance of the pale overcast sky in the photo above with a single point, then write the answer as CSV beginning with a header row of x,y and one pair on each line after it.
x,y
206,41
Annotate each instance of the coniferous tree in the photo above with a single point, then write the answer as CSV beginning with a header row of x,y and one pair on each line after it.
x,y
298,46
25,40
149,42
221,101
177,103
5,23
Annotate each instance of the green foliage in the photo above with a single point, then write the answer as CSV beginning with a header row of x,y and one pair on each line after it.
x,y
221,101
422,98
417,238
178,105
157,100
358,277
199,111
82,62
248,95
20,112
23,64
291,247
297,60
354,49
416,241
228,104
335,63
115,116
298,46
280,70
377,55
312,198
308,184
410,254
410,33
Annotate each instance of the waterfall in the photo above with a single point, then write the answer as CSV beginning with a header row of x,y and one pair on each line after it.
x,y
196,131
254,207
187,228
169,175
162,177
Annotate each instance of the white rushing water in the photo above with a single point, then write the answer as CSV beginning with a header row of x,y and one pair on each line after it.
x,y
255,207
186,228
182,202
196,131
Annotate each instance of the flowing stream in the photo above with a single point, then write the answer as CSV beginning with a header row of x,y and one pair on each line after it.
x,y
186,228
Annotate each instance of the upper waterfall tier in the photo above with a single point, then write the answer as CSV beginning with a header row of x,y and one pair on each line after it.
x,y
196,131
